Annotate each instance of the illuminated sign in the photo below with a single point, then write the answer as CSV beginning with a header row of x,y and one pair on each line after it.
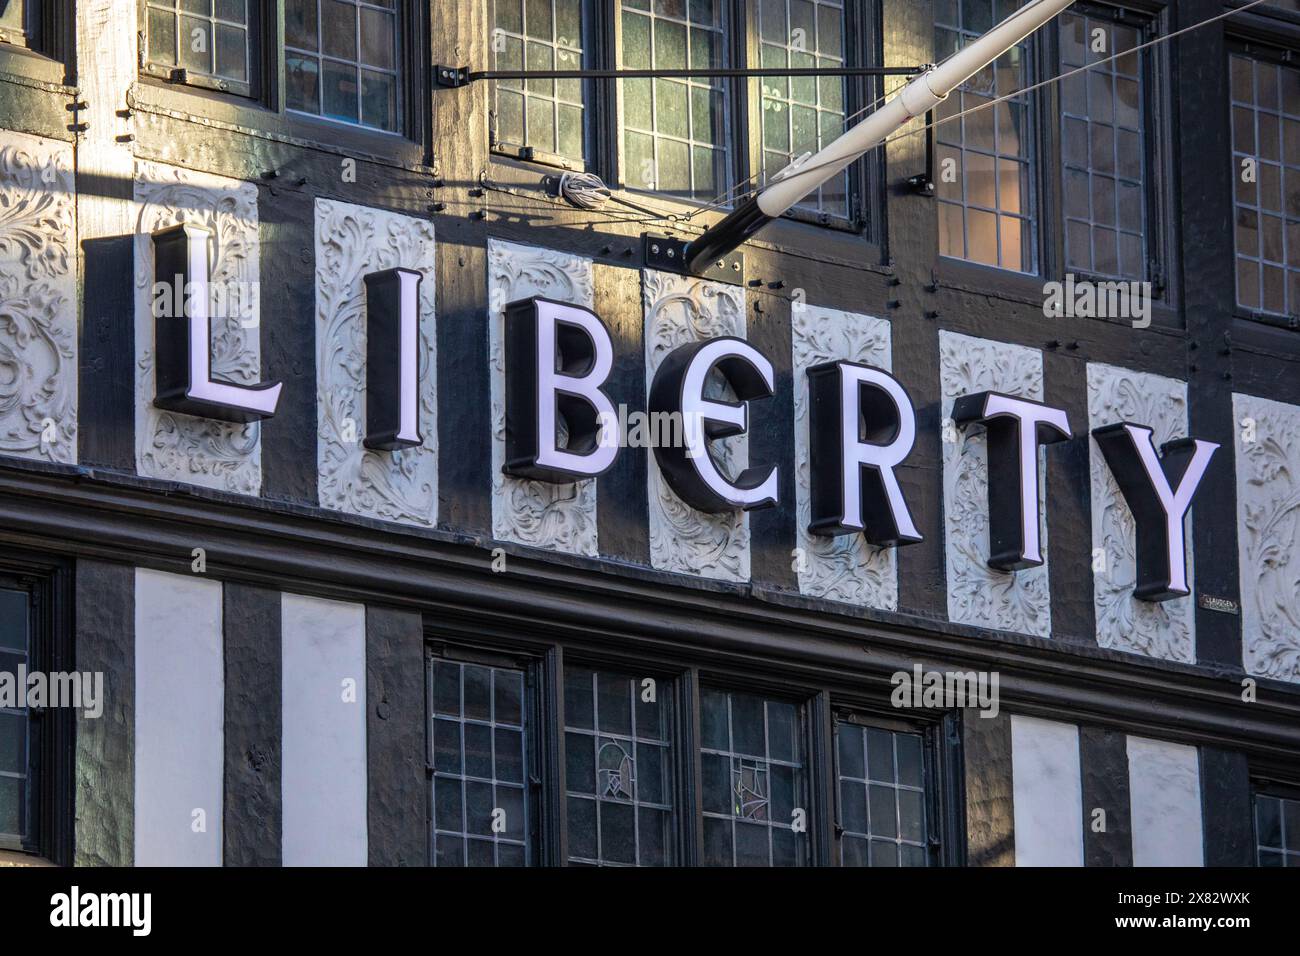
x,y
562,427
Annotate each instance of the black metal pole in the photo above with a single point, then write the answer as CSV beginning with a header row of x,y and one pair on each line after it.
x,y
729,233
685,74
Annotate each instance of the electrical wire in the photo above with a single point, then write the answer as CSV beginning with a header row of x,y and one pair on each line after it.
x,y
584,190
725,196
1029,89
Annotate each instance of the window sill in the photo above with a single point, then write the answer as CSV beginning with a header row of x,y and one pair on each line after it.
x,y
208,108
13,858
1265,338
1285,324
975,277
539,158
18,64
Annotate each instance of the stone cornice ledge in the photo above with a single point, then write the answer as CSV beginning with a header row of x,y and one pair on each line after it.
x,y
623,608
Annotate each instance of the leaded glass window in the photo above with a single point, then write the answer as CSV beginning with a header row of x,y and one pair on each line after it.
x,y
545,116
618,768
16,779
341,61
801,115
1277,830
987,212
1102,147
1266,176
478,758
881,777
205,38
753,781
675,138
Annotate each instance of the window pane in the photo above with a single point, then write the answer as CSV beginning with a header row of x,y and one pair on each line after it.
x,y
479,751
993,147
302,26
1277,830
15,637
341,61
618,769
539,35
881,783
202,38
1103,130
754,781
1266,189
675,130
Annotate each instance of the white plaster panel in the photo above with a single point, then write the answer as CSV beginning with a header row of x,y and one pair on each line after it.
x,y
179,720
561,517
402,485
1047,788
170,445
680,310
845,568
1164,629
1268,535
38,299
1165,803
977,594
323,782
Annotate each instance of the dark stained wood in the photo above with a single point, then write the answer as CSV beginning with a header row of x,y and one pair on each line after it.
x,y
397,805
252,810
1103,762
621,495
105,761
990,814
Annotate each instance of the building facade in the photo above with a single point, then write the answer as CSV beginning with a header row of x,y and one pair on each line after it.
x,y
318,646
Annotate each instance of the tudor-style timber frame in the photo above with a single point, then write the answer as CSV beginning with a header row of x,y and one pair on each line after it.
x,y
49,584
103,517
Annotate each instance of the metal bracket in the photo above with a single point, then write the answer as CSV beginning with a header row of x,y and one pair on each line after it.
x,y
451,77
922,184
669,255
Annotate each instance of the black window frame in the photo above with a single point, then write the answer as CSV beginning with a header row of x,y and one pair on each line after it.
x,y
593,57
266,108
603,112
52,730
544,653
735,123
677,734
810,708
533,671
1272,37
863,30
1288,789
1163,224
259,27
1160,248
937,842
962,270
